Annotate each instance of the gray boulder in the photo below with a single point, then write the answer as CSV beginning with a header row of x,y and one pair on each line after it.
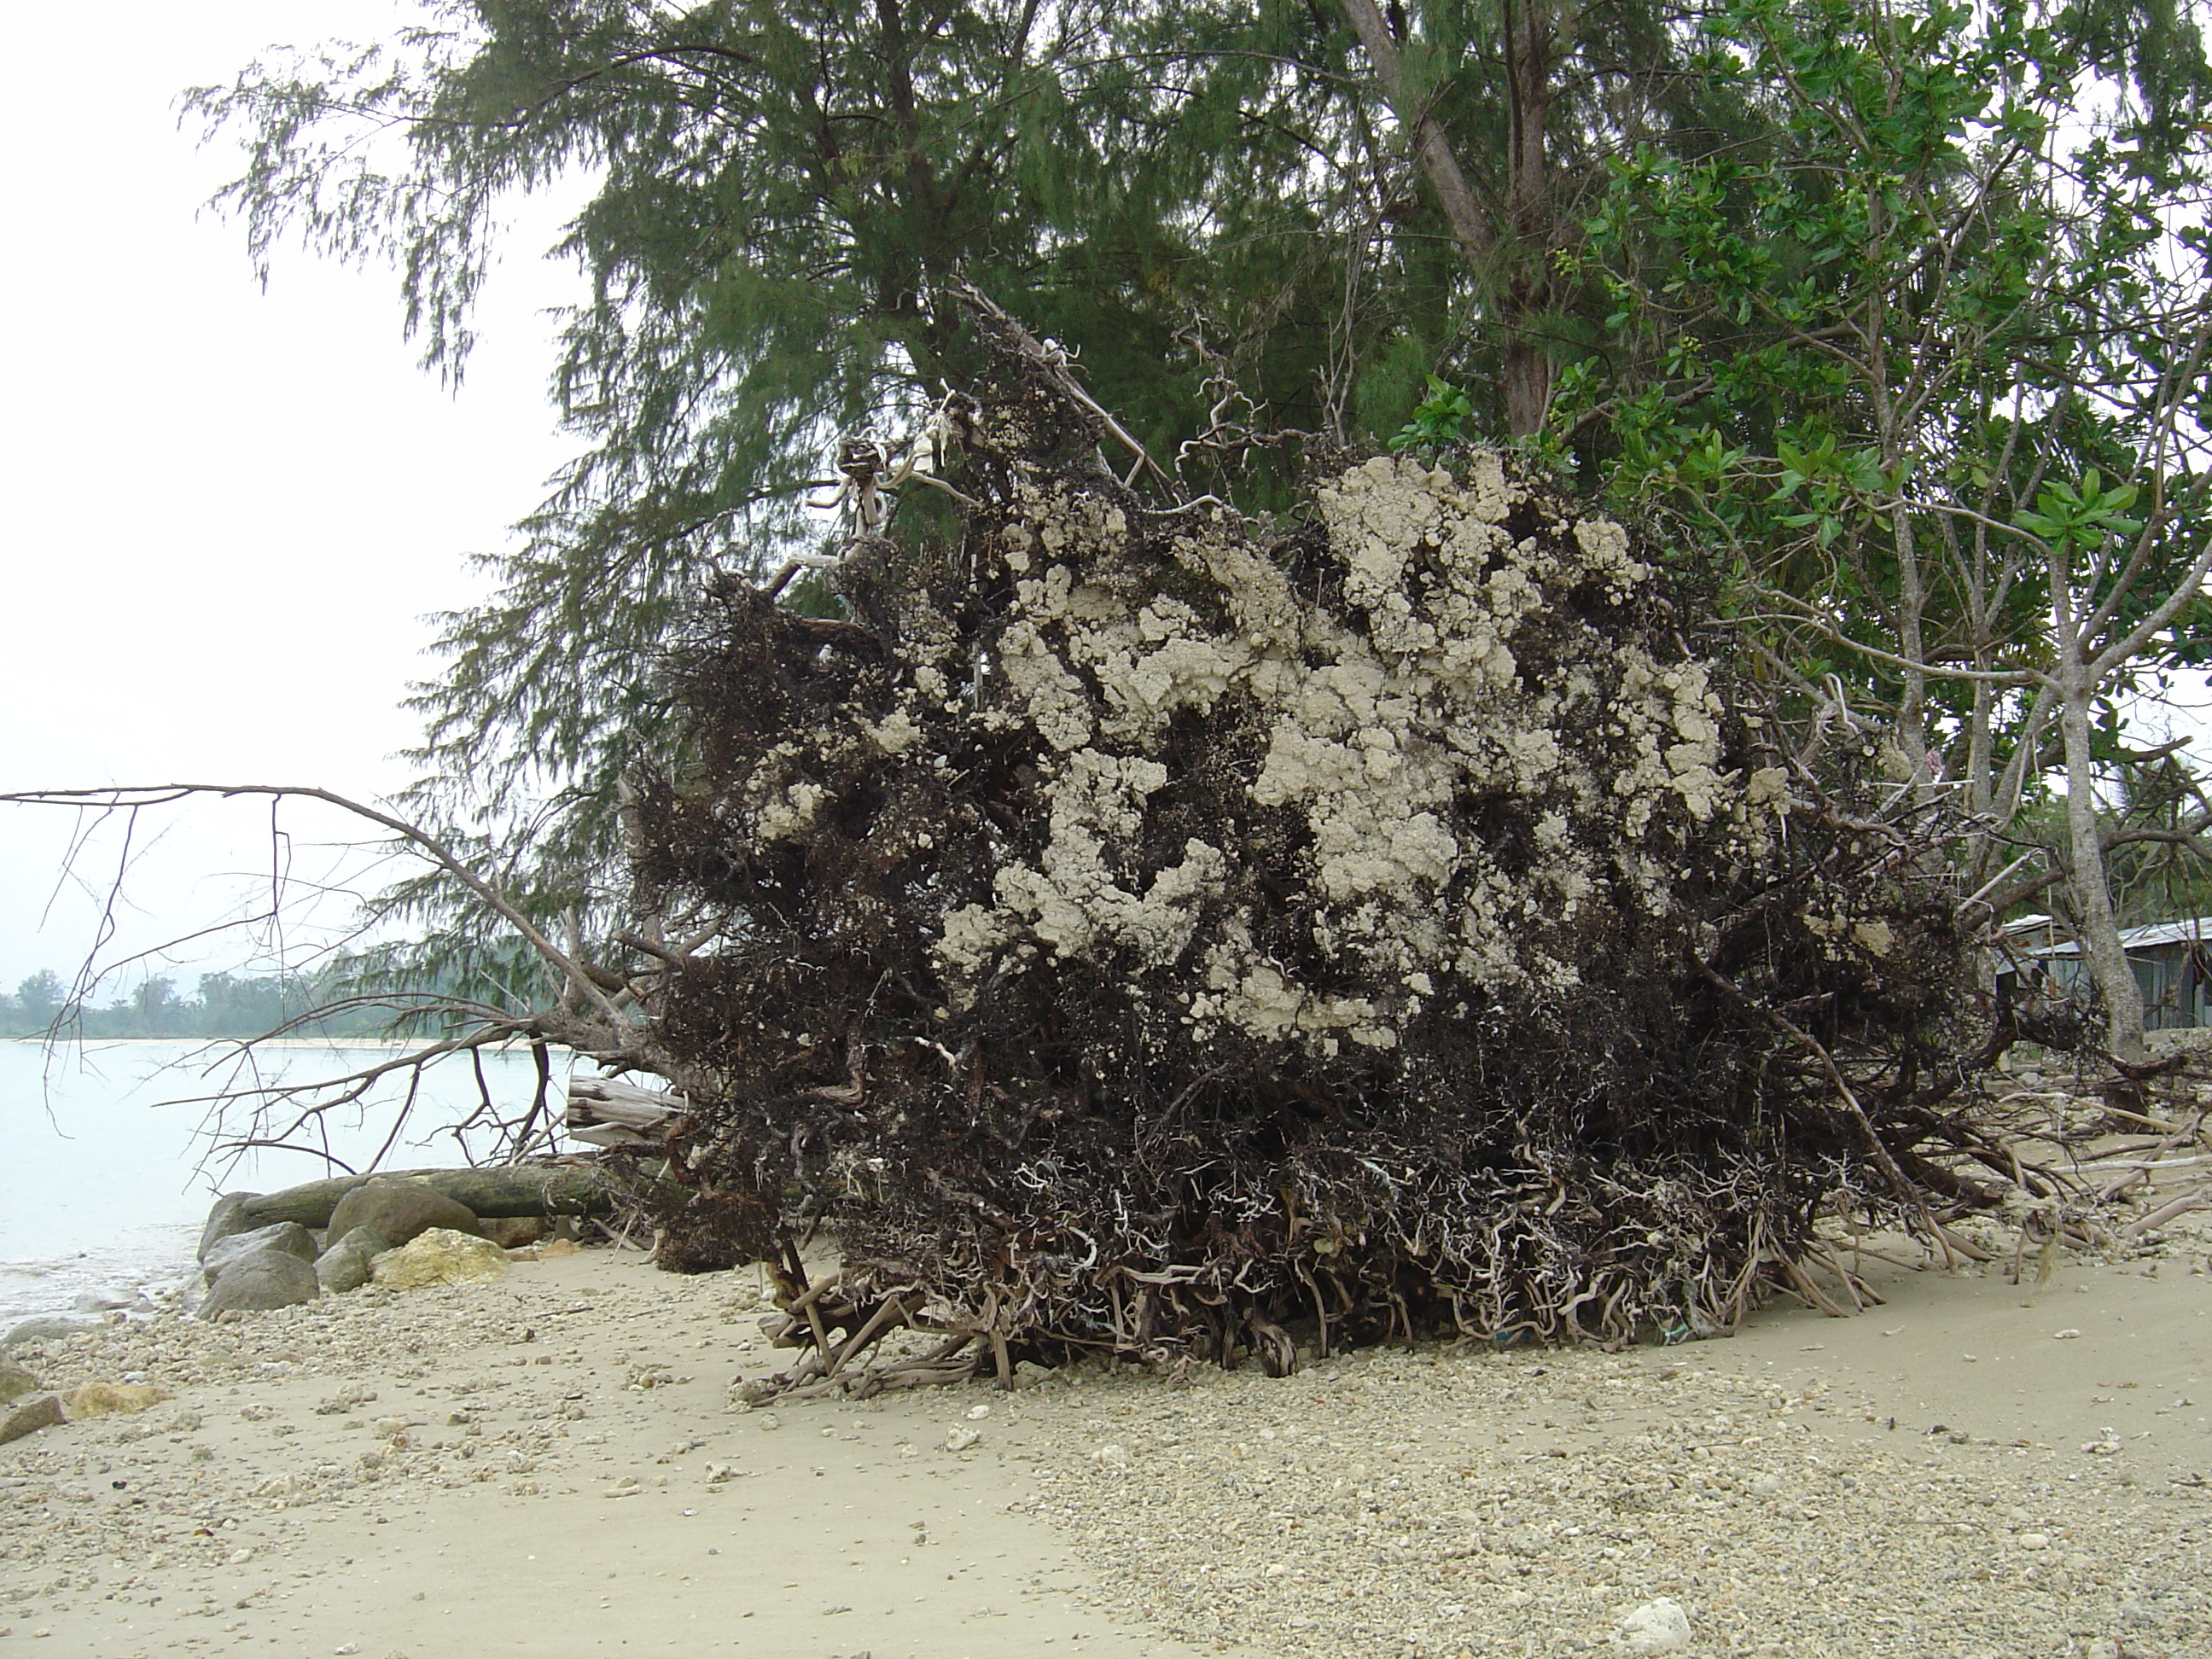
x,y
227,1217
44,1328
289,1236
345,1266
15,1383
40,1412
259,1280
399,1209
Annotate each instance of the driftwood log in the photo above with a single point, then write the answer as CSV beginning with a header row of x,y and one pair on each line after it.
x,y
606,1112
520,1190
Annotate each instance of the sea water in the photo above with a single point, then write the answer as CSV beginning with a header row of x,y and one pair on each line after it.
x,y
107,1165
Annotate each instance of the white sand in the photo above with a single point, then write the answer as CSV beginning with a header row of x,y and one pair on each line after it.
x,y
1438,1503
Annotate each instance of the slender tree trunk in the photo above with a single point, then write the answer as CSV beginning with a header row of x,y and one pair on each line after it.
x,y
1530,39
1520,292
1470,226
2107,960
1912,614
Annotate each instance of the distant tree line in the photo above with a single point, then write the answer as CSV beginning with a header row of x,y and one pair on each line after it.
x,y
226,1006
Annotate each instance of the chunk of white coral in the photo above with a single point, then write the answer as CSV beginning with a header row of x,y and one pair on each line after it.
x,y
1071,901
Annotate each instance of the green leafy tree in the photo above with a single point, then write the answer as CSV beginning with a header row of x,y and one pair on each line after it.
x,y
1927,365
1290,212
1841,285
781,196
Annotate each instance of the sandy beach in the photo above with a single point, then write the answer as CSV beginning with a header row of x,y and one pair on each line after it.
x,y
553,1463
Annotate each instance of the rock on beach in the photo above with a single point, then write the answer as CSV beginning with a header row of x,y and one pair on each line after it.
x,y
259,1280
1660,1627
44,1328
40,1412
112,1399
439,1256
15,1383
289,1236
228,1217
399,1209
345,1266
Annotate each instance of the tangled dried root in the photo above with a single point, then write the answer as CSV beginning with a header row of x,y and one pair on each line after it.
x,y
1145,931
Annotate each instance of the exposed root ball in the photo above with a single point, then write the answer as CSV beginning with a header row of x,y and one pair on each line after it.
x,y
1142,931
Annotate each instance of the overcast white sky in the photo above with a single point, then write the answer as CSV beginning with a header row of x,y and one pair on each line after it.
x,y
229,513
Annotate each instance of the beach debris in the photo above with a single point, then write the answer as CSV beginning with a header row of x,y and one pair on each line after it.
x,y
556,1187
288,1237
1659,1626
400,1210
961,1440
113,1399
40,1412
260,1280
352,1394
548,1249
347,1265
512,1232
605,1112
440,1256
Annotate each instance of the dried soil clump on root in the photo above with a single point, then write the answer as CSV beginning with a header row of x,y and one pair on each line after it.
x,y
1149,931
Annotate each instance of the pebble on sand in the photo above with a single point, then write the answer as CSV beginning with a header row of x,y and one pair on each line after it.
x,y
1659,1626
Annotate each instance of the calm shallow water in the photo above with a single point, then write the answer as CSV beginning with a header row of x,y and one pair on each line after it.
x,y
102,1187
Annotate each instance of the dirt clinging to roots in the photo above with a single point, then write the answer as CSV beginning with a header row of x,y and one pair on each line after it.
x,y
1149,930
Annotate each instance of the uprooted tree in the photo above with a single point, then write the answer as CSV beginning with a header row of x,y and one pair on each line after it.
x,y
1139,929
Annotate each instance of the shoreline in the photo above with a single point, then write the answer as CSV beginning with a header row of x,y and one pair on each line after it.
x,y
1973,1470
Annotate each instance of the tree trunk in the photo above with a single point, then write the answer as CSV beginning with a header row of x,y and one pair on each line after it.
x,y
1521,291
521,1189
1470,226
1530,39
2107,960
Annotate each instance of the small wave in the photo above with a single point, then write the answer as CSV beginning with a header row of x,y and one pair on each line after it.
x,y
142,1259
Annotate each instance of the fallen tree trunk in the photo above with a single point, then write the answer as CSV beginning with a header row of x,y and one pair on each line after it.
x,y
1149,931
522,1190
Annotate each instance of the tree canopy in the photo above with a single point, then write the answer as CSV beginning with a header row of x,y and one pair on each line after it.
x,y
1898,307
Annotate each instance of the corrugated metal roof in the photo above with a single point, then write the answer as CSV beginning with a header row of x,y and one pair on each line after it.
x,y
2192,930
2168,933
